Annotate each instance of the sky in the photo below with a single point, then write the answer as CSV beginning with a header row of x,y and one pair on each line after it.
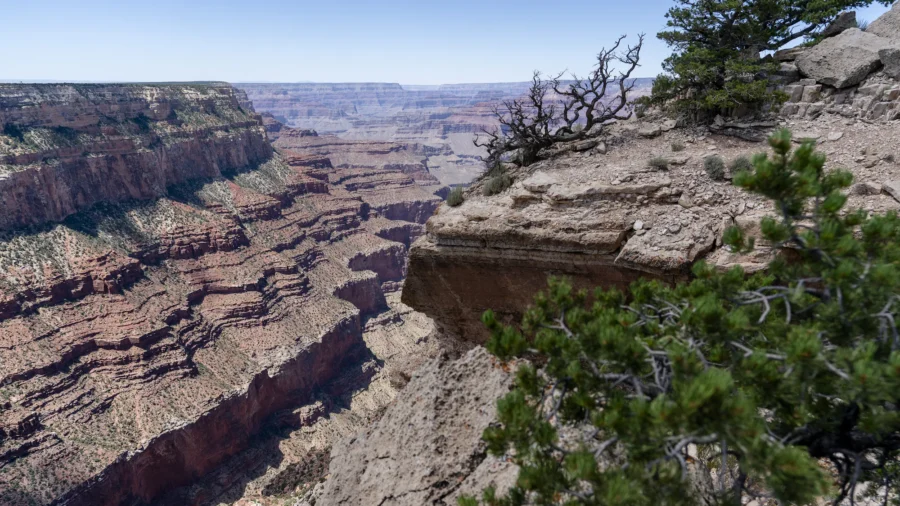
x,y
398,41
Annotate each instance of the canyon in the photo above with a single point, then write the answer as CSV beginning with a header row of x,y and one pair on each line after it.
x,y
437,124
177,286
254,294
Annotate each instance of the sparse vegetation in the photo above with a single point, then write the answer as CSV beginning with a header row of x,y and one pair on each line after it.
x,y
715,167
658,163
550,110
784,384
677,146
456,197
496,180
862,24
14,131
143,122
740,164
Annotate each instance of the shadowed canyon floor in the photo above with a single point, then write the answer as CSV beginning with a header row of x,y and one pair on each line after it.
x,y
175,292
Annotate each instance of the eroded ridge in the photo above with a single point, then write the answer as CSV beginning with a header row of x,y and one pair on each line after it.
x,y
178,291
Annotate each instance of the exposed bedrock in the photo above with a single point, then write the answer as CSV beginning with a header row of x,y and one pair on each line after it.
x,y
456,284
427,448
185,453
147,338
73,147
605,220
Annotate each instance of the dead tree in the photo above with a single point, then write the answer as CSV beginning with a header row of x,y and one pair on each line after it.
x,y
551,109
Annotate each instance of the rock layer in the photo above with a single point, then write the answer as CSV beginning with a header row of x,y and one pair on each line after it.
x,y
427,448
601,220
182,290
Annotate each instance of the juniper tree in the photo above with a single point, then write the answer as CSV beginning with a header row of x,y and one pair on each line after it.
x,y
783,384
715,65
554,111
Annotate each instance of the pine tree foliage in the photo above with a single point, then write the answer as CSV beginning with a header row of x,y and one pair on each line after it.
x,y
715,66
783,384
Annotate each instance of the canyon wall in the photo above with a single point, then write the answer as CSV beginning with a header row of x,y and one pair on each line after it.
x,y
172,288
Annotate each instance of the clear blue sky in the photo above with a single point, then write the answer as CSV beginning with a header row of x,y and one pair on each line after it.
x,y
405,41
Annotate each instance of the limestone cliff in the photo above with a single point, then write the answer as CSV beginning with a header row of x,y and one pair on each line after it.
x,y
171,287
608,219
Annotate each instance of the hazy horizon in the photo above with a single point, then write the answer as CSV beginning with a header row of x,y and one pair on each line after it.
x,y
350,41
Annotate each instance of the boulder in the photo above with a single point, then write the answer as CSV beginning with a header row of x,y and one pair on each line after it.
x,y
787,73
650,132
888,25
892,188
843,60
585,145
844,21
890,57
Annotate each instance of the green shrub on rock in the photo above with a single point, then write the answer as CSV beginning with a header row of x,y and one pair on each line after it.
x,y
716,65
786,382
497,180
714,167
740,164
456,197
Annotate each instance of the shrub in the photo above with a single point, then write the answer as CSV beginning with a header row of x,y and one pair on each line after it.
x,y
677,146
496,180
714,167
14,131
658,163
456,197
143,122
497,184
740,164
622,399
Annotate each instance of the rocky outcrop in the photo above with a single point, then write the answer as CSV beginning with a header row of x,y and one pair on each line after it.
x,y
844,60
427,448
854,74
844,21
203,290
602,220
68,147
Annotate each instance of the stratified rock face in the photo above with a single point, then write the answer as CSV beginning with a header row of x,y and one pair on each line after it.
x,y
67,147
182,283
435,123
426,450
603,220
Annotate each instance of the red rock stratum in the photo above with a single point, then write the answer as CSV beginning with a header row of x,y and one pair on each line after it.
x,y
168,281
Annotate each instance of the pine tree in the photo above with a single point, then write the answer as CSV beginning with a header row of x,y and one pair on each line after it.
x,y
716,67
781,384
